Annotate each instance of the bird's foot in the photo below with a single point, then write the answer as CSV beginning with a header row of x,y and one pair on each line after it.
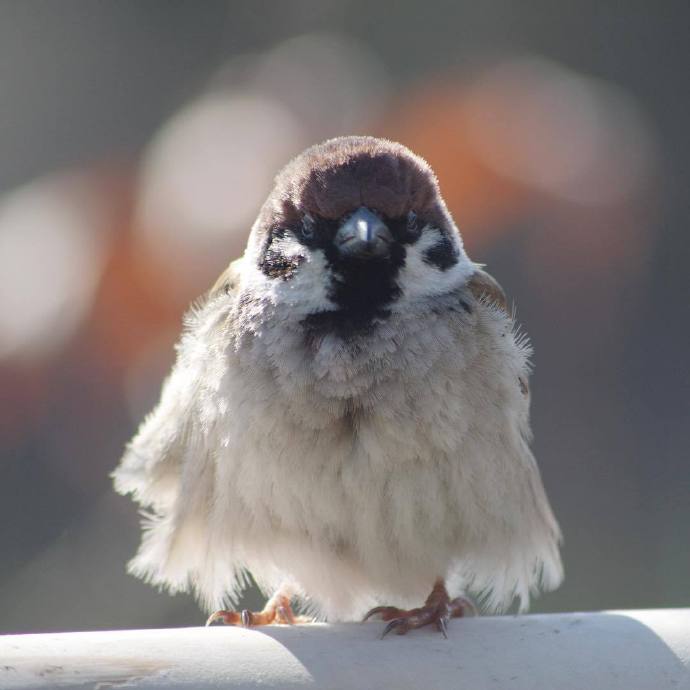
x,y
277,611
438,609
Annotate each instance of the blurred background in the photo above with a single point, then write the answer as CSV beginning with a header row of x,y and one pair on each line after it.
x,y
138,141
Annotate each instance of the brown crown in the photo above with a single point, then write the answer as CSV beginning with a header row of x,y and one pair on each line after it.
x,y
340,175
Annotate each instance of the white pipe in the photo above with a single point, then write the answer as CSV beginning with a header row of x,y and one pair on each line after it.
x,y
617,650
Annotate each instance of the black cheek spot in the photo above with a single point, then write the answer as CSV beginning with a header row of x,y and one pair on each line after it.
x,y
443,254
276,265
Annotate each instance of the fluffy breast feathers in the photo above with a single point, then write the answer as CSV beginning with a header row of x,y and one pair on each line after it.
x,y
358,470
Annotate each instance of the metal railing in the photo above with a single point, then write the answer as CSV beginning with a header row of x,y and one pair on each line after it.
x,y
616,650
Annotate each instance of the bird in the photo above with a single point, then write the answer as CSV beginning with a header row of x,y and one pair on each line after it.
x,y
347,420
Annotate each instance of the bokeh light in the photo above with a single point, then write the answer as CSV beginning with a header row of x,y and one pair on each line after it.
x,y
52,249
205,175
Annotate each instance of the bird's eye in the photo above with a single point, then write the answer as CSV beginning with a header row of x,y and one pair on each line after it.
x,y
413,224
307,229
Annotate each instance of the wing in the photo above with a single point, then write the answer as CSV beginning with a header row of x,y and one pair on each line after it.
x,y
522,554
150,467
228,279
168,467
486,288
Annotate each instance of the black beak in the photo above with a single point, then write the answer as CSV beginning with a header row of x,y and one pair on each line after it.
x,y
363,235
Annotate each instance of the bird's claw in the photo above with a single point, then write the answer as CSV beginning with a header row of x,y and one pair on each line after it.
x,y
277,610
402,625
438,609
244,618
228,617
442,624
386,612
285,615
460,606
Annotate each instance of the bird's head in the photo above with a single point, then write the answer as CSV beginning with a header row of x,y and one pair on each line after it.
x,y
353,229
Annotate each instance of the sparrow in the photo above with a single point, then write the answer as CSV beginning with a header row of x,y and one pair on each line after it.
x,y
347,420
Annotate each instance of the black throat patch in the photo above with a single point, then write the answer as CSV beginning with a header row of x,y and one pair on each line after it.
x,y
362,291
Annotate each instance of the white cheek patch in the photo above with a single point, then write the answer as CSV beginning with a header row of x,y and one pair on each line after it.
x,y
418,279
288,246
305,292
